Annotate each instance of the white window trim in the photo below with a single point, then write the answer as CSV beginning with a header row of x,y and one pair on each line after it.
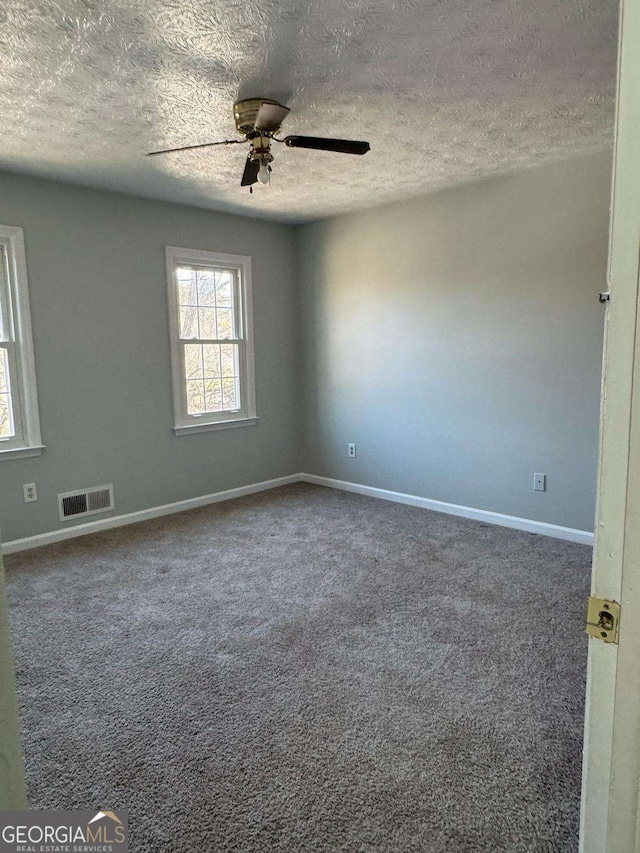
x,y
29,442
186,425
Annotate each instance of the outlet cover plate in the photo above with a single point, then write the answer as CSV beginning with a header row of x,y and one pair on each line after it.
x,y
30,492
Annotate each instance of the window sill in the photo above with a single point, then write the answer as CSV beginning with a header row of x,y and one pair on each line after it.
x,y
240,422
21,452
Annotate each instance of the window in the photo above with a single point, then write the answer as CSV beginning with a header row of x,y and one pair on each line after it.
x,y
211,340
19,423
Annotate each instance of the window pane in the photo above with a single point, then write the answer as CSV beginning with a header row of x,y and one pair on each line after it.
x,y
188,322
229,358
225,323
195,397
224,284
206,287
4,372
6,419
7,426
186,286
229,394
207,322
213,395
211,361
193,361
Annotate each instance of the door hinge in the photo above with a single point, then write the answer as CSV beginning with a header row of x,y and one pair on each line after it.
x,y
603,619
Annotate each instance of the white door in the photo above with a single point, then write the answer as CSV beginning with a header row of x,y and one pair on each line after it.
x,y
610,821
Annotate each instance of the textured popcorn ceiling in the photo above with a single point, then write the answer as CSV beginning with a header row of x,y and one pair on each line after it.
x,y
446,91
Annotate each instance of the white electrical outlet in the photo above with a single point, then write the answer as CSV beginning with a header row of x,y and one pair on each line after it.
x,y
30,492
352,451
540,482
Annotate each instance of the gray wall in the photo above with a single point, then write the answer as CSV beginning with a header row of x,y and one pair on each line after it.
x,y
99,309
457,339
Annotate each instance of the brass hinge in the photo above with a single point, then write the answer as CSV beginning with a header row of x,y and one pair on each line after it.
x,y
603,619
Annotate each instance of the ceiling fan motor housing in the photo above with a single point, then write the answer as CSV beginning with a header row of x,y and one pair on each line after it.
x,y
245,112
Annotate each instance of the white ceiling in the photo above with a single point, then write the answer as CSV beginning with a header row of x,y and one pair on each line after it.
x,y
446,91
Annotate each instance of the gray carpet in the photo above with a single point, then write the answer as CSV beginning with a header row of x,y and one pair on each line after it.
x,y
307,670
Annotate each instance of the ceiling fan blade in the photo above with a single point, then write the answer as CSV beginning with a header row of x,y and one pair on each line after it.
x,y
191,147
342,146
250,174
270,117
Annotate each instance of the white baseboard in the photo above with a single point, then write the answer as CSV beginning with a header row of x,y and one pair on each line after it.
x,y
584,537
142,515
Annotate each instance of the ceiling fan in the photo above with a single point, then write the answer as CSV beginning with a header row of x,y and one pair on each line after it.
x,y
259,120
